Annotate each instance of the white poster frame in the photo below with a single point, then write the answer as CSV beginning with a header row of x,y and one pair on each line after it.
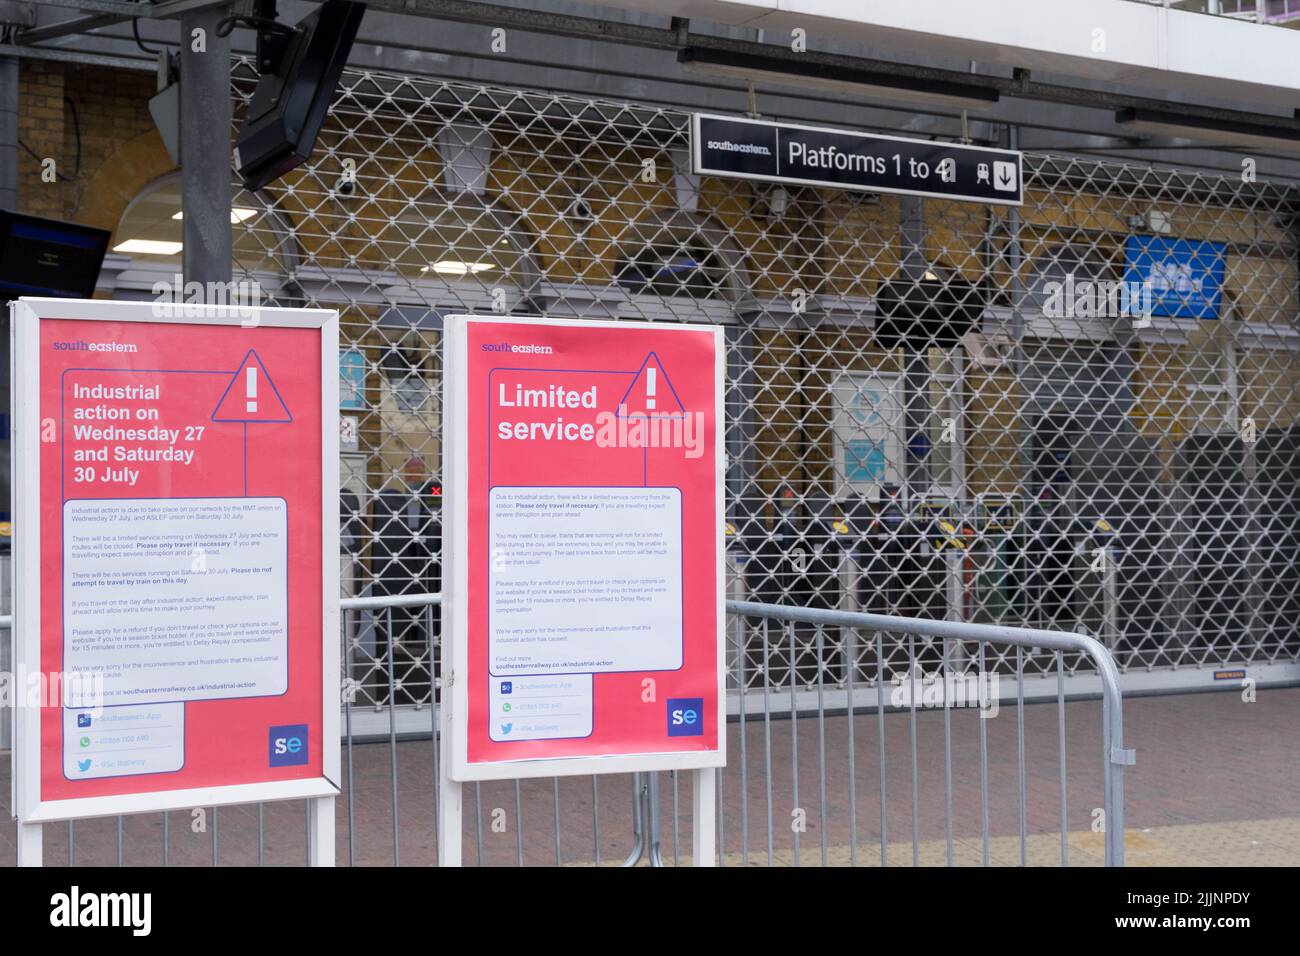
x,y
455,766
30,809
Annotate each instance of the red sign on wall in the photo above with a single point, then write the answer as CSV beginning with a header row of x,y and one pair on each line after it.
x,y
583,483
175,508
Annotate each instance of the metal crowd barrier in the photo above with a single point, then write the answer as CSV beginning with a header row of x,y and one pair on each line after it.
x,y
769,637
955,661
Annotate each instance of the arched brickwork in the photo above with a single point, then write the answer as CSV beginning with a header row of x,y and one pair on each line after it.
x,y
110,189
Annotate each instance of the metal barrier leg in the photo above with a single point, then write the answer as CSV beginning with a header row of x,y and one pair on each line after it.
x,y
638,822
652,799
1117,758
1115,823
645,820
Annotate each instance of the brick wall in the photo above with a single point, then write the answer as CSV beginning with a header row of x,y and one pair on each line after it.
x,y
40,128
105,113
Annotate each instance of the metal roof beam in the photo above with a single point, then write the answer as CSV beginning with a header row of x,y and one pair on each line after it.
x,y
176,8
60,55
667,38
126,10
674,37
63,28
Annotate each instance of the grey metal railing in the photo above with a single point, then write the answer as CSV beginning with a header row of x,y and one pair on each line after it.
x,y
782,638
1114,755
421,610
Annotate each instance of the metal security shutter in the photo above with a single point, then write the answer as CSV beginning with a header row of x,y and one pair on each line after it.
x,y
1178,435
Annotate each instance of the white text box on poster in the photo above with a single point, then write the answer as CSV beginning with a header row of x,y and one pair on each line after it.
x,y
585,580
557,707
123,741
175,599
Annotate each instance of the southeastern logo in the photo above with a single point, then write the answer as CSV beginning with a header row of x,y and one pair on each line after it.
x,y
288,745
685,716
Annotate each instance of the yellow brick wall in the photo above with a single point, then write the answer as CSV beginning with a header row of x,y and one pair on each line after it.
x,y
121,151
40,129
1270,389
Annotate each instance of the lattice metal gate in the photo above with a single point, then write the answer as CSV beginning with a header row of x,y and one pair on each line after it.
x,y
1057,465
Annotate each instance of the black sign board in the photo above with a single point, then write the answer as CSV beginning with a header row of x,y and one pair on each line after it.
x,y
49,258
809,156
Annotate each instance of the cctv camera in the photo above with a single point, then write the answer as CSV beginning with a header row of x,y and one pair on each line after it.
x,y
346,186
579,216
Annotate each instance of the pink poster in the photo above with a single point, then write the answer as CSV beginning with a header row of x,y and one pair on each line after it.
x,y
181,533
586,603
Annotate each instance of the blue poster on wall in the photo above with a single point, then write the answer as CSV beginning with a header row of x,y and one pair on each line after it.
x,y
1185,276
864,460
352,379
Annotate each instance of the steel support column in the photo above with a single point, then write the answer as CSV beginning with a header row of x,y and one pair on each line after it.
x,y
916,359
8,200
8,132
205,148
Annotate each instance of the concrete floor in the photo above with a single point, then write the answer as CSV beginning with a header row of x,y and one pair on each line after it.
x,y
1217,782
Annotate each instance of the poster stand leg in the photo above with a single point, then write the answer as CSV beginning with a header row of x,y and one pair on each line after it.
x,y
705,828
30,844
320,828
449,820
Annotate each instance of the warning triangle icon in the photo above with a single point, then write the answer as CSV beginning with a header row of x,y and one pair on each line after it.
x,y
251,396
651,392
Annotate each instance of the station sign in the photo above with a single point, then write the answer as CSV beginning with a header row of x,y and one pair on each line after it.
x,y
788,153
1184,276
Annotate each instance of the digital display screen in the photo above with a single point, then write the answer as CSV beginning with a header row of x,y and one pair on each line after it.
x,y
45,257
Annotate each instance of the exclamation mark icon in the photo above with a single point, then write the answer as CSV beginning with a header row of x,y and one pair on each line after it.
x,y
650,386
250,387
